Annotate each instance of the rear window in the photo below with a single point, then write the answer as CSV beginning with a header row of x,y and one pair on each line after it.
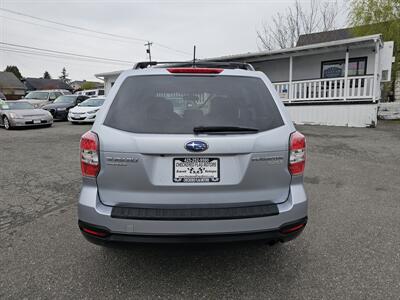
x,y
176,104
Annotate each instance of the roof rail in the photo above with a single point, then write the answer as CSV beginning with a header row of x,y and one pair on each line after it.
x,y
197,63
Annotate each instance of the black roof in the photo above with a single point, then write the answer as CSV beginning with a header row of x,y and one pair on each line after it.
x,y
9,81
46,84
325,36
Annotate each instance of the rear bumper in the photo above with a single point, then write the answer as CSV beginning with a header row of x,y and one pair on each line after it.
x,y
94,214
269,235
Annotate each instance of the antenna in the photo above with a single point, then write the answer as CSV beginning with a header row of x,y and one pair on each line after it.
x,y
194,56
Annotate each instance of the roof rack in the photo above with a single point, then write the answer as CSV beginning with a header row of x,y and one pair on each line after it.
x,y
197,63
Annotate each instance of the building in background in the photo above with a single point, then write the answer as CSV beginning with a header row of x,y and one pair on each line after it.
x,y
109,79
330,78
77,85
33,84
11,86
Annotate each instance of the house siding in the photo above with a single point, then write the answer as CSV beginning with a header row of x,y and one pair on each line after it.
x,y
309,67
109,82
397,87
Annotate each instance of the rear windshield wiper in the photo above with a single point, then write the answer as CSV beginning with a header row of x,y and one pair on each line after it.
x,y
223,129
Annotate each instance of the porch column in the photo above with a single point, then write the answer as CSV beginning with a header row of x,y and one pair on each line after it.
x,y
376,69
290,78
346,75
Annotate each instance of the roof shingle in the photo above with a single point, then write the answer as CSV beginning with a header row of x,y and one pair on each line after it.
x,y
46,84
9,81
325,36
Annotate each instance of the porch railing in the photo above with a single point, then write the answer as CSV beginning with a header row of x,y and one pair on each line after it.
x,y
357,88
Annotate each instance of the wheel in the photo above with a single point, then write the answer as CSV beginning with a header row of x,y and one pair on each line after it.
x,y
6,123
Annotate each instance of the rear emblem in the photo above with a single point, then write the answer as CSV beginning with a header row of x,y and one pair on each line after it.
x,y
196,146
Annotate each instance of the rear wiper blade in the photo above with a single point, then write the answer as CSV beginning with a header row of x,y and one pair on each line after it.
x,y
223,129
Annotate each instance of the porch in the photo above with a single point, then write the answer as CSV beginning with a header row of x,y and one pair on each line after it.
x,y
336,72
356,88
334,83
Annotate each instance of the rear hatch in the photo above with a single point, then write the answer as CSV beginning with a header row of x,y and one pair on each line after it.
x,y
193,139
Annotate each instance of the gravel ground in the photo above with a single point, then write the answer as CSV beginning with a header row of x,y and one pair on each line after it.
x,y
350,248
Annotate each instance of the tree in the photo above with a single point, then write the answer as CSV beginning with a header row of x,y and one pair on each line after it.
x,y
378,17
64,76
285,28
15,70
88,85
46,75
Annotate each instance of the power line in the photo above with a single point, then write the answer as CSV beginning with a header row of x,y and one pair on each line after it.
x,y
60,29
58,56
91,30
68,53
72,26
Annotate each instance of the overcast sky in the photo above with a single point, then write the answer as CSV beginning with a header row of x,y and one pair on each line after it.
x,y
218,27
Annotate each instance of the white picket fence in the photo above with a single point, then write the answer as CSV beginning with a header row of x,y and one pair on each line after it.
x,y
358,88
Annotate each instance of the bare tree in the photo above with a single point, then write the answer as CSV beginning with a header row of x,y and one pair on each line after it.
x,y
329,12
284,29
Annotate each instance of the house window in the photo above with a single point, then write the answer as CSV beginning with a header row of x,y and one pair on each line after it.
x,y
335,68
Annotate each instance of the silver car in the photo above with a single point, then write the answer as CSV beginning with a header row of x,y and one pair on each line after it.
x,y
43,97
23,114
192,154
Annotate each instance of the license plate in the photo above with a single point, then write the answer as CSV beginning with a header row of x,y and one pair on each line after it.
x,y
36,121
196,169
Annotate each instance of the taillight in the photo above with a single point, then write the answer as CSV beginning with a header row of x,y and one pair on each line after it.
x,y
293,228
95,232
297,153
195,70
89,148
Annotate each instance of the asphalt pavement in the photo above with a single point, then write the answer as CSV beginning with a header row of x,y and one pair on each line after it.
x,y
350,248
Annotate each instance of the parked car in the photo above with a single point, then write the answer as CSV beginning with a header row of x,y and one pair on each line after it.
x,y
43,97
22,114
86,111
61,106
192,154
2,96
91,93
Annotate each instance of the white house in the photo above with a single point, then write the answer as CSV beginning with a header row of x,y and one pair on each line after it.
x,y
328,83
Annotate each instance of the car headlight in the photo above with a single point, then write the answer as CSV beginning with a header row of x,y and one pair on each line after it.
x,y
15,116
93,111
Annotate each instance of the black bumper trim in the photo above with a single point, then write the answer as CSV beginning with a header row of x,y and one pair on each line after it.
x,y
275,235
195,213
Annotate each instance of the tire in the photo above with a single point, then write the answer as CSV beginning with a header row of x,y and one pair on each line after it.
x,y
6,123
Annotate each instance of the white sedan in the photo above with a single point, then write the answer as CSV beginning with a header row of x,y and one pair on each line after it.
x,y
85,112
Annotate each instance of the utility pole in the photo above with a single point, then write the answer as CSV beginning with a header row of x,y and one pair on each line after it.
x,y
148,50
194,56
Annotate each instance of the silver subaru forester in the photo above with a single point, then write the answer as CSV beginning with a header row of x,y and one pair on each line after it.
x,y
192,153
